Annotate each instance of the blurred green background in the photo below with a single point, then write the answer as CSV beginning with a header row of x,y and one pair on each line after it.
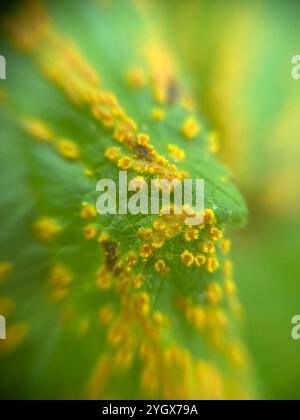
x,y
239,55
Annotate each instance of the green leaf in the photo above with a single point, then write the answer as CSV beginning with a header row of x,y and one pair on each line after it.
x,y
95,308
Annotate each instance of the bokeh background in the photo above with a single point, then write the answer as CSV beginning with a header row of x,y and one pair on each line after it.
x,y
239,56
